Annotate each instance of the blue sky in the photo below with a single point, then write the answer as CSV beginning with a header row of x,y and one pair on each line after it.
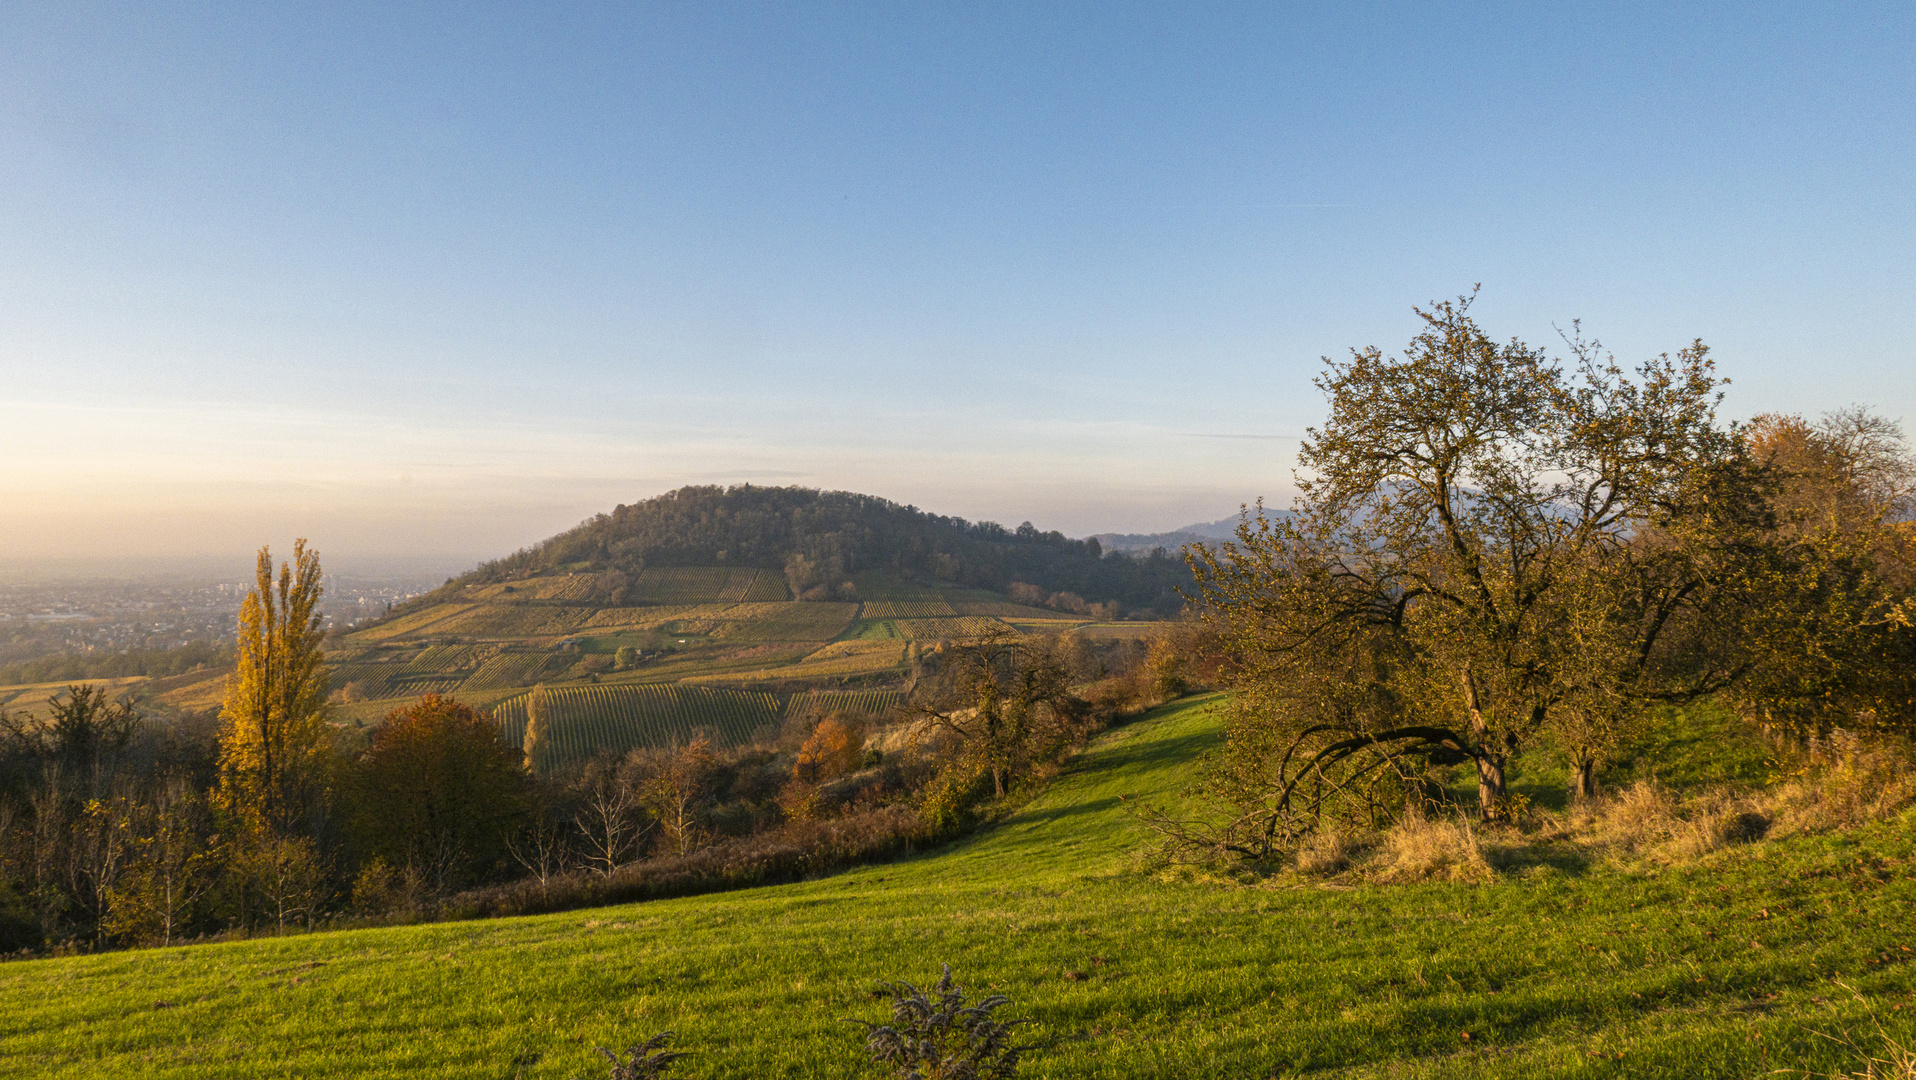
x,y
437,281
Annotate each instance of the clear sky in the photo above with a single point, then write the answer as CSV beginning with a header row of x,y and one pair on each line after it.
x,y
440,280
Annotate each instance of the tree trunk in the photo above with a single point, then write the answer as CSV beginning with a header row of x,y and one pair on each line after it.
x,y
1490,765
1490,787
1583,780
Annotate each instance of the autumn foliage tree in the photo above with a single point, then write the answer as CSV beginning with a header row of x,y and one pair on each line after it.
x,y
835,747
536,740
1488,545
439,791
274,742
1841,650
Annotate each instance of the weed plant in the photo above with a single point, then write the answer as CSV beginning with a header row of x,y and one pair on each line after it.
x,y
936,1036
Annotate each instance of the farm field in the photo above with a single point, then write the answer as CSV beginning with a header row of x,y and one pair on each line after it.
x,y
1756,961
192,690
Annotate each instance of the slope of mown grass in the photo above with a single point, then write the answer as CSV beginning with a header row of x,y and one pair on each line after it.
x,y
1724,969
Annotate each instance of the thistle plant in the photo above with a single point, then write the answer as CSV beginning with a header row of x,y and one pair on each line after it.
x,y
647,1061
936,1036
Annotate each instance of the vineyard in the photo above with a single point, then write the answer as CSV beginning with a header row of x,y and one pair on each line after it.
x,y
510,669
700,626
441,658
907,609
586,720
415,686
1123,631
514,620
412,624
861,702
834,662
963,626
787,622
637,618
692,585
564,588
370,680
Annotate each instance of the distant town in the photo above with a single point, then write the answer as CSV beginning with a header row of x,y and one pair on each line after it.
x,y
88,615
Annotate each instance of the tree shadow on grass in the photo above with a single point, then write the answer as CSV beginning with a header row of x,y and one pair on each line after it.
x,y
1137,753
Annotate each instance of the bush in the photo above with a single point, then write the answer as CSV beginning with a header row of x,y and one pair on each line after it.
x,y
798,851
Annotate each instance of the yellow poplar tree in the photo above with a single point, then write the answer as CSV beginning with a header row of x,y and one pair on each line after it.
x,y
534,743
275,732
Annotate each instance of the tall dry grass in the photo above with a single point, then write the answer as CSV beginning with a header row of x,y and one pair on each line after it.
x,y
1843,784
1421,848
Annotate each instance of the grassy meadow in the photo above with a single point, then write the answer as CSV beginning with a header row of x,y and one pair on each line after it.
x,y
1758,958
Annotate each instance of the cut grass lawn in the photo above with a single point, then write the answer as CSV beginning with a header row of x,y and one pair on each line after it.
x,y
1728,968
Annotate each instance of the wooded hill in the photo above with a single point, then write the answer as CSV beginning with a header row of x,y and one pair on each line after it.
x,y
819,541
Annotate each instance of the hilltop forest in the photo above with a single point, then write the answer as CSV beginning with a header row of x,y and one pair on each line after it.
x,y
820,539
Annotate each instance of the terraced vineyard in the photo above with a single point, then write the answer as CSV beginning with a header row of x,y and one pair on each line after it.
x,y
1005,609
585,720
370,680
692,585
787,622
637,618
861,702
514,621
907,609
702,629
959,627
834,662
1123,631
441,658
415,623
511,669
416,686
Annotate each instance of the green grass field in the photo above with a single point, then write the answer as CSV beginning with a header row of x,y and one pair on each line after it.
x,y
1734,967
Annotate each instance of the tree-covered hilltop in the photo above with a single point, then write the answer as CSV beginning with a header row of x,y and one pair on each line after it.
x,y
820,539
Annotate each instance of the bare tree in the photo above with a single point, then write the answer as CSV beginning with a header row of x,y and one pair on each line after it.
x,y
609,819
543,848
1004,700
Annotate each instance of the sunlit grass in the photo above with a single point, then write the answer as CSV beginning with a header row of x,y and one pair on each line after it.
x,y
1729,967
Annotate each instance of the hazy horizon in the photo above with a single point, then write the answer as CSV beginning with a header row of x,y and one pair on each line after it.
x,y
429,286
237,565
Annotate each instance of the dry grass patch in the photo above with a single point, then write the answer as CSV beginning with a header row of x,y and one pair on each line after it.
x,y
1421,848
1842,788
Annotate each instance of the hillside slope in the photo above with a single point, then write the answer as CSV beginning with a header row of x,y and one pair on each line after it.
x,y
818,541
727,592
1730,968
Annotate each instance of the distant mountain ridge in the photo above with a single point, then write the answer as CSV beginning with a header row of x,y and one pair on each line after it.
x,y
1223,528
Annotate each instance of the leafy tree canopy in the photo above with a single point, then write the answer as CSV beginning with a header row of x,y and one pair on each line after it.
x,y
1490,546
